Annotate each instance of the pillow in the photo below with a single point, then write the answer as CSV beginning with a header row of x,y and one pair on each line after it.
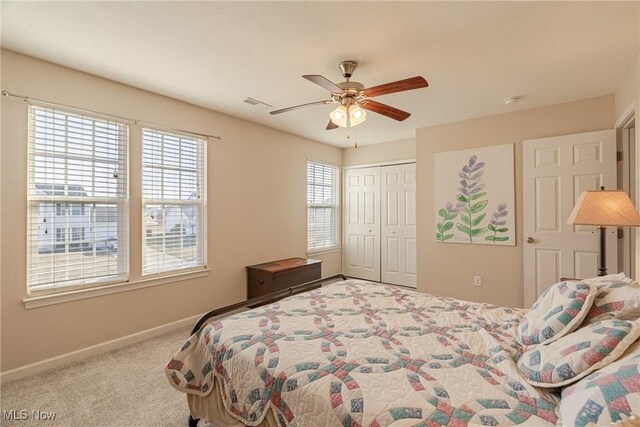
x,y
559,310
607,396
576,355
617,299
617,277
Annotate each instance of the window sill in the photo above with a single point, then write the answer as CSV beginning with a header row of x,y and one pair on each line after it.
x,y
60,298
325,251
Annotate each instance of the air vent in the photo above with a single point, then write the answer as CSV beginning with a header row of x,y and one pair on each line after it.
x,y
257,103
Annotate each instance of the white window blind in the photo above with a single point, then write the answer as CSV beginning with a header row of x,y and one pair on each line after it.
x,y
322,202
77,231
174,197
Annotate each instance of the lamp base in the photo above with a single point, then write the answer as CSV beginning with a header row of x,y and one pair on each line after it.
x,y
602,257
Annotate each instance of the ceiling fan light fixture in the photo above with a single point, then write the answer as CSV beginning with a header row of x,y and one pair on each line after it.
x,y
357,114
348,116
339,116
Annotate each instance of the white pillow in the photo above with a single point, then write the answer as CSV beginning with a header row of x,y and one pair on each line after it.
x,y
617,277
576,355
559,310
615,300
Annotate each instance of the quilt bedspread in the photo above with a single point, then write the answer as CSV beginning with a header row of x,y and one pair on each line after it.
x,y
356,353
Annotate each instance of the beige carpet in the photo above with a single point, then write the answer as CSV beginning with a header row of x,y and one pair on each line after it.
x,y
125,387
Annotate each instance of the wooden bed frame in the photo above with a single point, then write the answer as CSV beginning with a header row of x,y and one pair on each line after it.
x,y
256,302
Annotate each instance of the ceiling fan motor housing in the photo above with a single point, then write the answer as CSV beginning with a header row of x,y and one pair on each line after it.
x,y
348,68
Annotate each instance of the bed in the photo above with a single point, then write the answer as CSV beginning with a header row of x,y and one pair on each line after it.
x,y
357,353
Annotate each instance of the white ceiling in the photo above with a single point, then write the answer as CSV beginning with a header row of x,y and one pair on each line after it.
x,y
215,54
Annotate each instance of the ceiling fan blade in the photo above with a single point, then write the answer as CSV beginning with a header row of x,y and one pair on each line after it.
x,y
399,86
284,110
332,125
385,110
324,82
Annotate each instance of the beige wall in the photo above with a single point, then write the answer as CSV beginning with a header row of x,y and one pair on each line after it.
x,y
447,268
402,149
627,92
257,212
638,159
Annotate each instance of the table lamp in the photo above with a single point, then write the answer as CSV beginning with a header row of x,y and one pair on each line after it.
x,y
604,208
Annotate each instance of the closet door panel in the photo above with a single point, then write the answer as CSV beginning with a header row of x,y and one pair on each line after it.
x,y
362,223
411,262
398,251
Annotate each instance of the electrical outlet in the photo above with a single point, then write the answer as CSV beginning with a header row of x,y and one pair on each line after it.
x,y
477,280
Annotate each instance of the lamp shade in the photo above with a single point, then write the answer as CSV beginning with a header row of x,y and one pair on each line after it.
x,y
604,208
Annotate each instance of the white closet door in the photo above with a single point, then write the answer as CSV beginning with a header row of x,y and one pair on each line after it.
x,y
361,241
398,215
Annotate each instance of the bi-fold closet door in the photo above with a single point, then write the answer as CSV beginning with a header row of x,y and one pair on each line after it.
x,y
379,235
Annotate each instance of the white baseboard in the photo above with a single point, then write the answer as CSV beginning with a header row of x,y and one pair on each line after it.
x,y
84,353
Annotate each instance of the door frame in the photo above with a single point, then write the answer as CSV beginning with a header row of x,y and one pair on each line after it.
x,y
627,119
377,164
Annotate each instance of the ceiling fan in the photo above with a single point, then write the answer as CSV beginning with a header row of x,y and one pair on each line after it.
x,y
354,99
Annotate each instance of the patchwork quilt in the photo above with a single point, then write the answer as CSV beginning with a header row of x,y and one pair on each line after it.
x,y
357,353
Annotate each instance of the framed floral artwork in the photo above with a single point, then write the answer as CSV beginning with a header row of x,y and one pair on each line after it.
x,y
475,196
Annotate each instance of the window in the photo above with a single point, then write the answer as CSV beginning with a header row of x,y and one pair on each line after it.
x,y
174,198
77,209
322,203
77,164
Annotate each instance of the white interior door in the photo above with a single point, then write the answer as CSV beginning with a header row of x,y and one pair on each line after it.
x,y
398,217
555,172
361,241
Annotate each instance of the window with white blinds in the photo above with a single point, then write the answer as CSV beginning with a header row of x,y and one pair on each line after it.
x,y
322,204
77,231
174,198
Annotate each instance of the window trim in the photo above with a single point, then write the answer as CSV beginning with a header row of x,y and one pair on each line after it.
x,y
108,288
337,208
325,251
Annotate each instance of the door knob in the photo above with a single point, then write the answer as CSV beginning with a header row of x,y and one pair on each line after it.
x,y
530,240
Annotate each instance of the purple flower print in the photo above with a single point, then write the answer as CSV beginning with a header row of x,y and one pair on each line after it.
x,y
471,191
496,224
448,214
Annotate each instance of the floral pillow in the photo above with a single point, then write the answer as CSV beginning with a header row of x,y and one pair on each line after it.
x,y
558,311
610,395
576,355
615,299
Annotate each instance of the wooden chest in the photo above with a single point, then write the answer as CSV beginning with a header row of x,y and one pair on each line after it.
x,y
274,276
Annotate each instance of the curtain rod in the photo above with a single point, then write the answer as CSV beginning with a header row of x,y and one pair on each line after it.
x,y
27,99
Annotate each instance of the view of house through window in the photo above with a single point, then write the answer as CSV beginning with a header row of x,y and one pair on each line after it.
x,y
174,202
322,204
77,168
